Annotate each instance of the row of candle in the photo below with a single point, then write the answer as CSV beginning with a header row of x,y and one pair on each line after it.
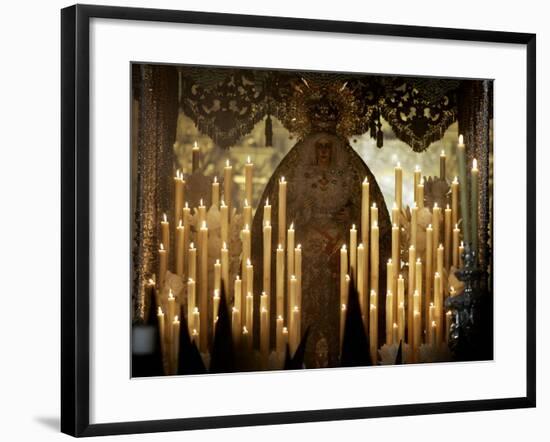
x,y
423,309
191,263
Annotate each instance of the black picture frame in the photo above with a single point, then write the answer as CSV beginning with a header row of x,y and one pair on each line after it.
x,y
75,224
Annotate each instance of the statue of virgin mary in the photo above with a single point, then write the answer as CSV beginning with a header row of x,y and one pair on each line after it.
x,y
324,176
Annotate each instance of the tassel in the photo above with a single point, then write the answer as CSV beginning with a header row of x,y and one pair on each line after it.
x,y
268,131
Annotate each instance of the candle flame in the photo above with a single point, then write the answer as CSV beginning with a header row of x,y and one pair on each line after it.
x,y
234,309
366,181
430,226
215,179
246,227
245,330
461,139
347,278
299,246
375,224
435,206
216,293
293,277
417,168
161,246
343,307
170,294
203,226
416,293
474,164
374,205
455,180
151,281
267,202
248,262
279,247
296,309
437,274
398,164
159,311
224,246
395,325
245,202
190,281
195,145
192,245
433,324
419,261
164,218
443,152
447,207
389,261
372,307
180,224
285,330
291,226
400,276
411,247
196,311
186,205
343,247
461,243
227,164
176,320
248,159
194,332
217,262
237,278
373,293
279,317
353,227
264,310
282,179
222,204
201,203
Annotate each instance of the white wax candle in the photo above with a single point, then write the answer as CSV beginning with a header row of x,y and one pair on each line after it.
x,y
281,228
215,192
228,186
353,253
248,168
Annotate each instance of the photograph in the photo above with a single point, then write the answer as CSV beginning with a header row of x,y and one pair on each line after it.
x,y
289,220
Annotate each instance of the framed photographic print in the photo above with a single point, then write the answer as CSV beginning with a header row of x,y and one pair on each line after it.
x,y
254,207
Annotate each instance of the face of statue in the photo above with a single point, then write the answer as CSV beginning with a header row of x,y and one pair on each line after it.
x,y
324,148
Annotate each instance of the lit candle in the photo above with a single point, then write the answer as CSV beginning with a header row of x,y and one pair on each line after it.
x,y
373,214
203,285
237,296
285,337
196,324
401,322
267,257
215,310
456,234
343,273
227,185
343,310
165,232
290,263
247,213
248,168
246,254
416,176
353,253
192,255
436,221
429,330
417,324
191,303
389,317
461,254
414,224
179,196
439,264
420,194
429,269
298,272
374,257
293,315
401,306
162,264
224,215
249,312
365,225
279,342
418,287
281,228
215,192
249,278
171,307
217,275
187,231
410,292
180,237
373,331
454,201
442,165
195,157
475,199
267,212
280,281
264,324
201,212
438,307
448,229
175,343
161,331
296,328
390,269
236,326
396,260
398,171
361,284
461,153
224,254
